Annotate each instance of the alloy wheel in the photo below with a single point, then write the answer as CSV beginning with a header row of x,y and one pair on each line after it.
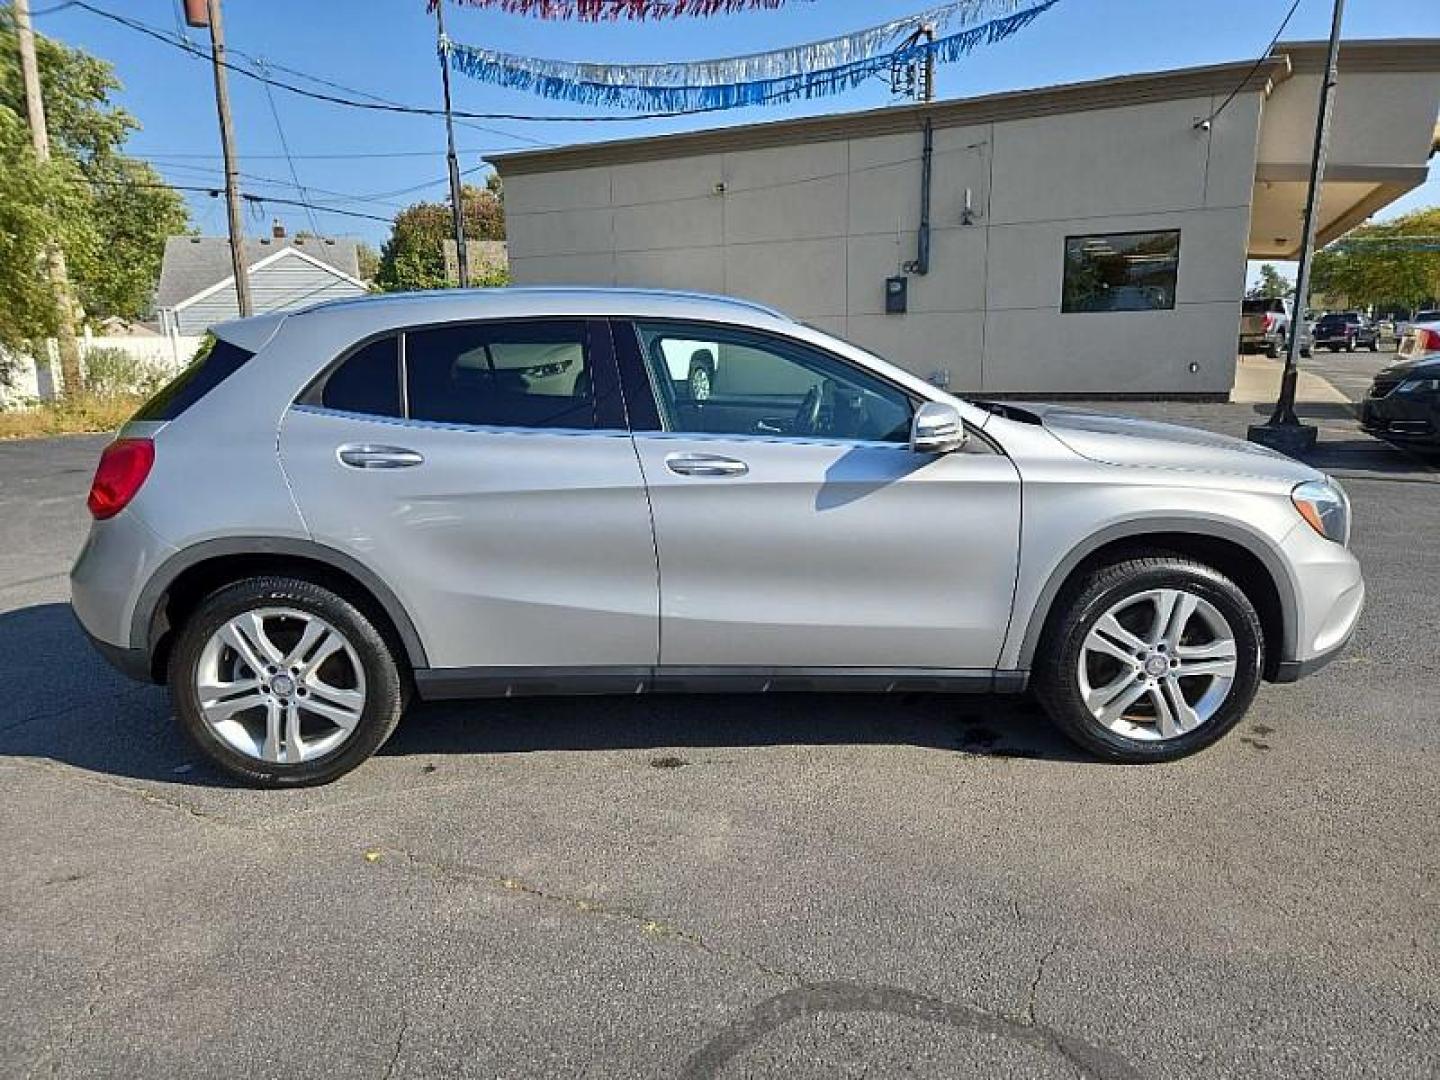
x,y
280,685
1157,664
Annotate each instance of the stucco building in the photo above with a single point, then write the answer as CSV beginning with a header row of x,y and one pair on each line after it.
x,y
1087,238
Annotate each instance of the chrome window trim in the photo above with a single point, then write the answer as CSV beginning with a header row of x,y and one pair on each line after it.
x,y
445,425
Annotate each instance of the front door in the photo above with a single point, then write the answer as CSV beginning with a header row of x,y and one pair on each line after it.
x,y
484,472
794,526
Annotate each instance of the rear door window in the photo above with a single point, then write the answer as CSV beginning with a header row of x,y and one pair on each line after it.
x,y
515,374
215,361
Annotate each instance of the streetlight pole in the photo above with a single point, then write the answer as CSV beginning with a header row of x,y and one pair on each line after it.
x,y
457,208
1284,431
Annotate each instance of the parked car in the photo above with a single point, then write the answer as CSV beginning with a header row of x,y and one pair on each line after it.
x,y
1265,326
1404,399
509,492
1348,330
1420,318
692,363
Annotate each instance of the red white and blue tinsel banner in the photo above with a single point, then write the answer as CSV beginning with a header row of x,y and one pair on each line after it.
x,y
598,10
803,71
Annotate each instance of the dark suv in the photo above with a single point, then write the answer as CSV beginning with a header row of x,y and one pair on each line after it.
x,y
1348,330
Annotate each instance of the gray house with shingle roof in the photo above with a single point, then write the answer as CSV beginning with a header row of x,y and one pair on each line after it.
x,y
197,287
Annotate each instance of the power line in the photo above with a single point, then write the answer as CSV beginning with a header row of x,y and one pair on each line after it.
x,y
254,200
289,161
1254,68
346,156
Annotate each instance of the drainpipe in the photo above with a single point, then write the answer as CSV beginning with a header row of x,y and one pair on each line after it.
x,y
921,263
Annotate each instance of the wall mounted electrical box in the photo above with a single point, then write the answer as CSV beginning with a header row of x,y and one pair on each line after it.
x,y
896,294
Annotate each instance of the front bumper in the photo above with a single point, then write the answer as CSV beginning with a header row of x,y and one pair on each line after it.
x,y
1330,594
1395,416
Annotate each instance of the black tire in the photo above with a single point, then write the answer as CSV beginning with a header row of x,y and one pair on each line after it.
x,y
1350,346
1305,351
701,379
1375,345
387,687
1272,349
1080,605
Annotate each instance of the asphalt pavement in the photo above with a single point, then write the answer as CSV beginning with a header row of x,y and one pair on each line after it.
x,y
723,886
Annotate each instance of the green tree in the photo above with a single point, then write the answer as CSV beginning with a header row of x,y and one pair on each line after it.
x,y
414,256
1394,263
110,212
369,260
1272,285
37,203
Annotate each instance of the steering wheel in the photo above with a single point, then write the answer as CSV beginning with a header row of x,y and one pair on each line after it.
x,y
812,408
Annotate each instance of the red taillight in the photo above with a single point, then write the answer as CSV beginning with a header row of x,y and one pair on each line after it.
x,y
124,465
1427,340
1269,322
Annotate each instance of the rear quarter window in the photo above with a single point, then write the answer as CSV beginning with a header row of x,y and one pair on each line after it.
x,y
214,362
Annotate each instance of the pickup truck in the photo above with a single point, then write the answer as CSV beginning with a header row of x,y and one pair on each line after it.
x,y
1348,330
1265,324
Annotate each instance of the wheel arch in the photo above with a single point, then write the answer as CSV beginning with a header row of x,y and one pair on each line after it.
x,y
1251,562
187,577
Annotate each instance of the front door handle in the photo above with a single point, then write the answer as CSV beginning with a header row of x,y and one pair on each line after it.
x,y
369,456
705,465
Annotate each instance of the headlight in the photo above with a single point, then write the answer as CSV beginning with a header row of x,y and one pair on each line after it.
x,y
1418,386
1325,506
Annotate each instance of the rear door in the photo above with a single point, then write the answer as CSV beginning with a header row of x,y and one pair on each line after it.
x,y
484,471
795,528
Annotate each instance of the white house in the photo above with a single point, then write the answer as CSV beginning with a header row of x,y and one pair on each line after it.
x,y
197,284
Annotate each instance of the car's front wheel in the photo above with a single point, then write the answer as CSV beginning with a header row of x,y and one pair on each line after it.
x,y
1150,659
283,683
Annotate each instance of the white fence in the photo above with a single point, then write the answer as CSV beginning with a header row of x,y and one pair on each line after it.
x,y
30,381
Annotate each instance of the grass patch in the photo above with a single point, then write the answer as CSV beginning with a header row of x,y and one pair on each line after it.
x,y
72,416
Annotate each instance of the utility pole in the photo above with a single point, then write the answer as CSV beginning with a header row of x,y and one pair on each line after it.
x,y
70,374
210,16
457,208
1284,431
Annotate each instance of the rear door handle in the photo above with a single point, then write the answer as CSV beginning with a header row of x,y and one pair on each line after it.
x,y
705,465
368,456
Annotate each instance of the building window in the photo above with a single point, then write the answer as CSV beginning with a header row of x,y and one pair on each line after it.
x,y
1121,271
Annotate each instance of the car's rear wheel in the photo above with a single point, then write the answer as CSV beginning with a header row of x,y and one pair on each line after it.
x,y
1150,659
283,683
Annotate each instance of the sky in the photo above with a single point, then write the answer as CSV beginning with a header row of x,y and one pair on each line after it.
x,y
386,48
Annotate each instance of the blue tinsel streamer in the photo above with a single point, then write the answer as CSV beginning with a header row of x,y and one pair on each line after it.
x,y
534,79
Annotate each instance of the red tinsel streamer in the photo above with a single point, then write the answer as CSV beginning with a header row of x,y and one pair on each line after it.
x,y
599,10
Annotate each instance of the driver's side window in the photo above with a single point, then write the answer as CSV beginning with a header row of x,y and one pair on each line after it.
x,y
720,380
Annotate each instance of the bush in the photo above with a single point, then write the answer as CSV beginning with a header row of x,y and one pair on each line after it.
x,y
114,372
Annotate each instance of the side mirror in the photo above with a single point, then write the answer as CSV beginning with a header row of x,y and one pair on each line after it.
x,y
937,429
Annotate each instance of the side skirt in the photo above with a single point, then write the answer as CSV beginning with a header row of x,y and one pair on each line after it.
x,y
441,684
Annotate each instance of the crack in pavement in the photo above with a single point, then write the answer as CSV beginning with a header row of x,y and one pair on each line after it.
x,y
142,794
1029,1014
399,1046
656,929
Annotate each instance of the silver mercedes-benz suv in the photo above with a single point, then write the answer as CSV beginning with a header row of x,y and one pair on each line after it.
x,y
469,494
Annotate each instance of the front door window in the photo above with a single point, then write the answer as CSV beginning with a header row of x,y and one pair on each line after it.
x,y
716,380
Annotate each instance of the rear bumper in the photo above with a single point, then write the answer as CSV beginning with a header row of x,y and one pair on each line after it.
x,y
132,663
